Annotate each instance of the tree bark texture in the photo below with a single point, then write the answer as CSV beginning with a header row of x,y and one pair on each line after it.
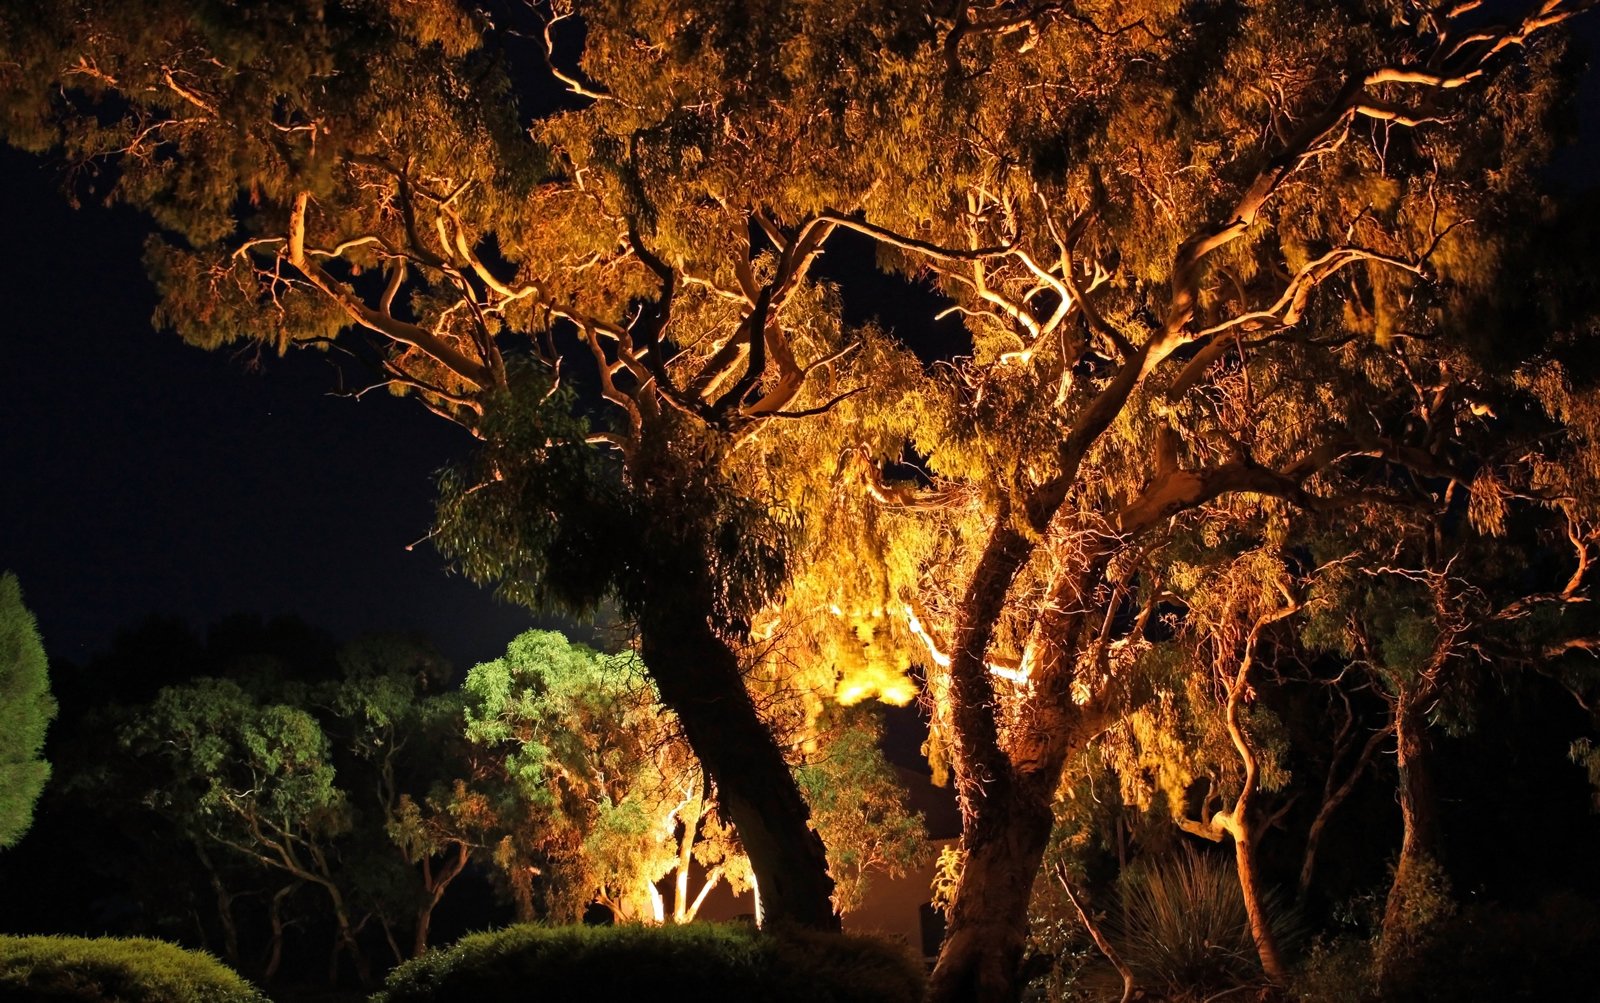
x,y
1414,895
698,676
1008,791
988,926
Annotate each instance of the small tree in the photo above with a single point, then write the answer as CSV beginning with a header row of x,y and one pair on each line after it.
x,y
409,779
26,710
254,777
601,785
598,784
859,808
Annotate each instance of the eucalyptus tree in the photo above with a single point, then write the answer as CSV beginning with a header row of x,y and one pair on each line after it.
x,y
361,169
1220,268
594,783
253,778
1195,250
409,776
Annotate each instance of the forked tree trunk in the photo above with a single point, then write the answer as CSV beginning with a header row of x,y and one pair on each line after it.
x,y
434,885
1007,793
699,678
269,970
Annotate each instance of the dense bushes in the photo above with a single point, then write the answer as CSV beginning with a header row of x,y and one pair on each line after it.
x,y
700,961
83,970
1550,951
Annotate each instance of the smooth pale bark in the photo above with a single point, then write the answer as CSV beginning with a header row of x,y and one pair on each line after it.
x,y
1250,885
698,676
1240,823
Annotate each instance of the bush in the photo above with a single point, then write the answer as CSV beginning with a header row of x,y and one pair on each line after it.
x,y
1183,927
699,960
1548,952
107,970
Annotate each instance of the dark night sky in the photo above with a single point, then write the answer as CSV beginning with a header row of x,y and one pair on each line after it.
x,y
141,476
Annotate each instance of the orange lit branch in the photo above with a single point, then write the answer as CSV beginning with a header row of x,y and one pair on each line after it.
x,y
470,370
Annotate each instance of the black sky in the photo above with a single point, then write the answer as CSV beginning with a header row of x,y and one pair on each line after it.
x,y
140,476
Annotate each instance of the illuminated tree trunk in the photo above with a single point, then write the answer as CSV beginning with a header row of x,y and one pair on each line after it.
x,y
1419,887
699,678
988,926
1244,852
1007,792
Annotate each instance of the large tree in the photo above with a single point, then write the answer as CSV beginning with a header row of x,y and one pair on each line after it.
x,y
1196,250
26,710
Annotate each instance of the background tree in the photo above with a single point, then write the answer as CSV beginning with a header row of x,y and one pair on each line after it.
x,y
603,801
604,788
410,777
26,710
255,778
859,806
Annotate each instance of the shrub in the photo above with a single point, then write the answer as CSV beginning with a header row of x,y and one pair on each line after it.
x,y
1548,952
1337,971
1183,928
699,960
107,970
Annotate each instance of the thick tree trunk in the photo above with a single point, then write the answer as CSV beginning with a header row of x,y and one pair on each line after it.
x,y
1417,894
988,926
699,678
1007,792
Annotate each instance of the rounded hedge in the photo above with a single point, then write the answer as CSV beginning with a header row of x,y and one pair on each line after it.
x,y
115,970
699,960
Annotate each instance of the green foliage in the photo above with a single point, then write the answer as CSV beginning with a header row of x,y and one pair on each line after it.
x,y
357,787
698,961
535,509
858,807
592,775
238,763
83,970
26,710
